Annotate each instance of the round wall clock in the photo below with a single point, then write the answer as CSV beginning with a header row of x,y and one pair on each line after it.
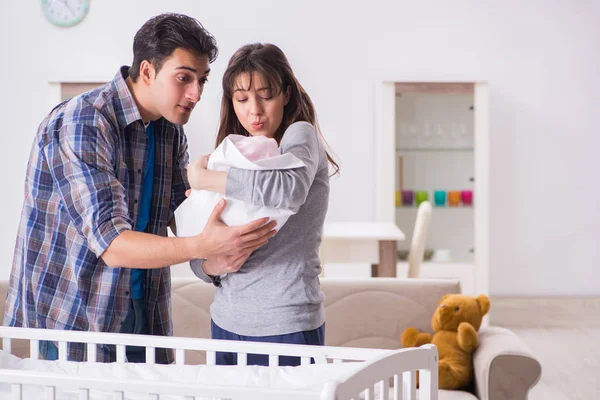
x,y
65,12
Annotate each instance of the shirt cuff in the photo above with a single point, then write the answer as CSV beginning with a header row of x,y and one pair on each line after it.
x,y
196,266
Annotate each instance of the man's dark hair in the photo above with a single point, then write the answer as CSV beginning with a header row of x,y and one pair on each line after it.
x,y
158,38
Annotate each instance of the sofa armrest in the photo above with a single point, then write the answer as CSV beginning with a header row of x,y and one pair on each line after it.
x,y
505,369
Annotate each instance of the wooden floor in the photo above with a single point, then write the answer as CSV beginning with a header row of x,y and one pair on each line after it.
x,y
564,335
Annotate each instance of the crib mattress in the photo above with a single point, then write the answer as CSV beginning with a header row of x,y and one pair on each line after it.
x,y
308,378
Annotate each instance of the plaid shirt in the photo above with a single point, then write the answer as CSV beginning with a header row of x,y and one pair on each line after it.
x,y
83,182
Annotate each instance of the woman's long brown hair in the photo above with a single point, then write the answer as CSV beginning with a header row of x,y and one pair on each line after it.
x,y
269,61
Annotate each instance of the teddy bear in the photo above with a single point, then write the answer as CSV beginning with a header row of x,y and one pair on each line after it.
x,y
455,323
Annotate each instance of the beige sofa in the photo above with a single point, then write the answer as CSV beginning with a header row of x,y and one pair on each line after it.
x,y
373,313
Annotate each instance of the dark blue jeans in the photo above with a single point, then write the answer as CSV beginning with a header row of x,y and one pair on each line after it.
x,y
136,322
315,337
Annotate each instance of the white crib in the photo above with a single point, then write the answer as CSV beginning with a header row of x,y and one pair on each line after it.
x,y
341,373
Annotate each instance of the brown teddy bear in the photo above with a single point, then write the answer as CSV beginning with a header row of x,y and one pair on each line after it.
x,y
455,323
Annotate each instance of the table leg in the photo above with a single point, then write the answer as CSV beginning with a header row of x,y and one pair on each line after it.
x,y
374,270
387,259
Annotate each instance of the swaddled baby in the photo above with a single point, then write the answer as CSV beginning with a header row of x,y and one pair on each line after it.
x,y
255,148
245,152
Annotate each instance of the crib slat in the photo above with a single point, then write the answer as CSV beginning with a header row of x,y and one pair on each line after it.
x,y
384,390
150,355
305,361
7,345
273,360
427,384
50,393
410,385
34,349
179,357
368,394
92,352
242,359
84,394
17,391
211,358
398,387
120,353
62,351
118,395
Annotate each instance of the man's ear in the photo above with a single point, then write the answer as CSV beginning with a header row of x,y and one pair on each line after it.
x,y
147,72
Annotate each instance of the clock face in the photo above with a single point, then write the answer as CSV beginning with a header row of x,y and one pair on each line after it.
x,y
65,12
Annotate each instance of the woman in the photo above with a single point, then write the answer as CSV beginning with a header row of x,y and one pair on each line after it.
x,y
274,295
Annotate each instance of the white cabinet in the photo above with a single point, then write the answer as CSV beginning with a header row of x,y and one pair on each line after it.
x,y
433,141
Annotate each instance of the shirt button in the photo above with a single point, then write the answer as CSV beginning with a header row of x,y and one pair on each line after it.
x,y
139,171
135,201
127,293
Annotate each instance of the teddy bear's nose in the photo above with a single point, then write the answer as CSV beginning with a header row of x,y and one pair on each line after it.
x,y
445,314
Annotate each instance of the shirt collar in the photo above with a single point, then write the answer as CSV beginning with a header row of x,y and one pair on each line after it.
x,y
128,112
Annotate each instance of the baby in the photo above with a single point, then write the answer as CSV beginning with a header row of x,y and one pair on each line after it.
x,y
253,148
245,152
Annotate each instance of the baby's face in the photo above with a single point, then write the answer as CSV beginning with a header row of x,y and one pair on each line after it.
x,y
257,147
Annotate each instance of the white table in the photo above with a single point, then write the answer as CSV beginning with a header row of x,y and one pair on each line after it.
x,y
373,243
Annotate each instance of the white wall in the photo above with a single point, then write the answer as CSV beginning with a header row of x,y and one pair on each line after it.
x,y
540,57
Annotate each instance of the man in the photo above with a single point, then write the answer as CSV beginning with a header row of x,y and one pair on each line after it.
x,y
106,172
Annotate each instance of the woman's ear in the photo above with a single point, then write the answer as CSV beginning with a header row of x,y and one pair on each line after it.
x,y
287,95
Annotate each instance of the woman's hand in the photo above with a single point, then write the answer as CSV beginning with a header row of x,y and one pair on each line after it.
x,y
203,161
220,265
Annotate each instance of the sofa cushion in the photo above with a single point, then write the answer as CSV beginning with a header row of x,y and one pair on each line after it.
x,y
368,313
373,313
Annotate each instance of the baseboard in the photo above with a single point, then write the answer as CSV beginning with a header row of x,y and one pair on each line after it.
x,y
545,312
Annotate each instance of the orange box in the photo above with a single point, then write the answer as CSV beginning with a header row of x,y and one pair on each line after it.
x,y
453,198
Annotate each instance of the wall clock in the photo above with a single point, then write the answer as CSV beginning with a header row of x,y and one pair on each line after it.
x,y
65,13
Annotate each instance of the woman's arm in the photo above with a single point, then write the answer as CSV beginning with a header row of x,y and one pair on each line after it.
x,y
201,178
286,188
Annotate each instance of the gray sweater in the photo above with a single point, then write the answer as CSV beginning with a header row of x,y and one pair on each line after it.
x,y
277,290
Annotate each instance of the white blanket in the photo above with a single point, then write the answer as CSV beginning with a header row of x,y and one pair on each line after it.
x,y
253,153
306,378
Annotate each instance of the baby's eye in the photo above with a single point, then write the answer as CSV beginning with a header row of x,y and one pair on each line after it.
x,y
456,309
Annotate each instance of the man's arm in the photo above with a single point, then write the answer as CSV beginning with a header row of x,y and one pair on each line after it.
x,y
80,158
143,250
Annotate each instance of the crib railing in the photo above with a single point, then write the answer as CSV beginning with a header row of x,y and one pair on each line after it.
x,y
402,365
368,382
320,354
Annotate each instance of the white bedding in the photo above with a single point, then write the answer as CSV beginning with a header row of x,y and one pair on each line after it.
x,y
309,377
257,153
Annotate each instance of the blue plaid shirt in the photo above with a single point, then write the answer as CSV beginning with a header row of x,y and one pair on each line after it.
x,y
82,189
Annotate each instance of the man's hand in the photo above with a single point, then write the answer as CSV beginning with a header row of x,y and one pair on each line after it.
x,y
218,239
220,265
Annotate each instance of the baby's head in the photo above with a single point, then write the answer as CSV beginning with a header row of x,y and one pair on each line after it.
x,y
255,147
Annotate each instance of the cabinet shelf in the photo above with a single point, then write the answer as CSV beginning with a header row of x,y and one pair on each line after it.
x,y
431,149
435,208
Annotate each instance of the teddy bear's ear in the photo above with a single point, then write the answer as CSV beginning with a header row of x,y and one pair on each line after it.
x,y
444,297
484,304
